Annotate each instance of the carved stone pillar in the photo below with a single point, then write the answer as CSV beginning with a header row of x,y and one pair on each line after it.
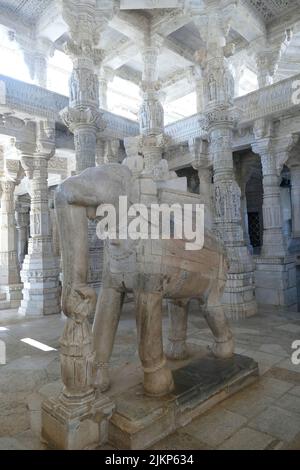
x,y
106,75
82,116
275,275
237,70
84,123
103,92
36,54
195,77
265,68
238,298
151,113
273,239
112,153
40,271
22,218
41,75
199,95
100,151
268,56
78,418
199,151
53,226
295,196
10,284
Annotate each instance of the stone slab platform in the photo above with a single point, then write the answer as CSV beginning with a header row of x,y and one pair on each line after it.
x,y
140,421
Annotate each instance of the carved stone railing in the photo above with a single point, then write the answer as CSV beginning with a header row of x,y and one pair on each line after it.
x,y
32,101
271,101
185,129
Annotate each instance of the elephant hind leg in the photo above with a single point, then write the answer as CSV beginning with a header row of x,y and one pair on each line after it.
x,y
105,326
158,378
223,346
178,312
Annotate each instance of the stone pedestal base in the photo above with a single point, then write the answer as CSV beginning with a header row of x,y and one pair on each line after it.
x,y
41,292
275,282
10,296
140,421
75,426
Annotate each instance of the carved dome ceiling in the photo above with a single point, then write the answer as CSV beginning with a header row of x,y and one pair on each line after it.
x,y
30,10
271,9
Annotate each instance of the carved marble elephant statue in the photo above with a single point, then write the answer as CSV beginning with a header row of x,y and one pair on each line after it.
x,y
152,270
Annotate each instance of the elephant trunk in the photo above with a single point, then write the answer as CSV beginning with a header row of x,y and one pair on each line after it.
x,y
73,233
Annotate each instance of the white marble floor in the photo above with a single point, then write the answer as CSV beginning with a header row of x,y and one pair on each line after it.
x,y
264,416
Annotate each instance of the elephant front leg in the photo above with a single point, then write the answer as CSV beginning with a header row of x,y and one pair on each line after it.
x,y
105,326
177,348
158,378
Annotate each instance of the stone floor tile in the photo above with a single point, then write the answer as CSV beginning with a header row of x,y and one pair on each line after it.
x,y
263,357
294,444
180,440
29,441
272,387
274,349
215,426
266,337
290,328
287,364
248,403
277,422
10,443
289,402
295,391
284,374
247,439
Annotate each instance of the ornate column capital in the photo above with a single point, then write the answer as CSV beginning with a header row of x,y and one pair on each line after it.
x,y
199,149
13,171
85,20
268,55
45,139
79,117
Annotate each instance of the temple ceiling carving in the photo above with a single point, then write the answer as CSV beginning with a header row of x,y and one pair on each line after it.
x,y
271,9
30,10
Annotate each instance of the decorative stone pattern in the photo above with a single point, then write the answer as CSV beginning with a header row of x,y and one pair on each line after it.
x,y
35,101
40,270
219,118
271,9
30,9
